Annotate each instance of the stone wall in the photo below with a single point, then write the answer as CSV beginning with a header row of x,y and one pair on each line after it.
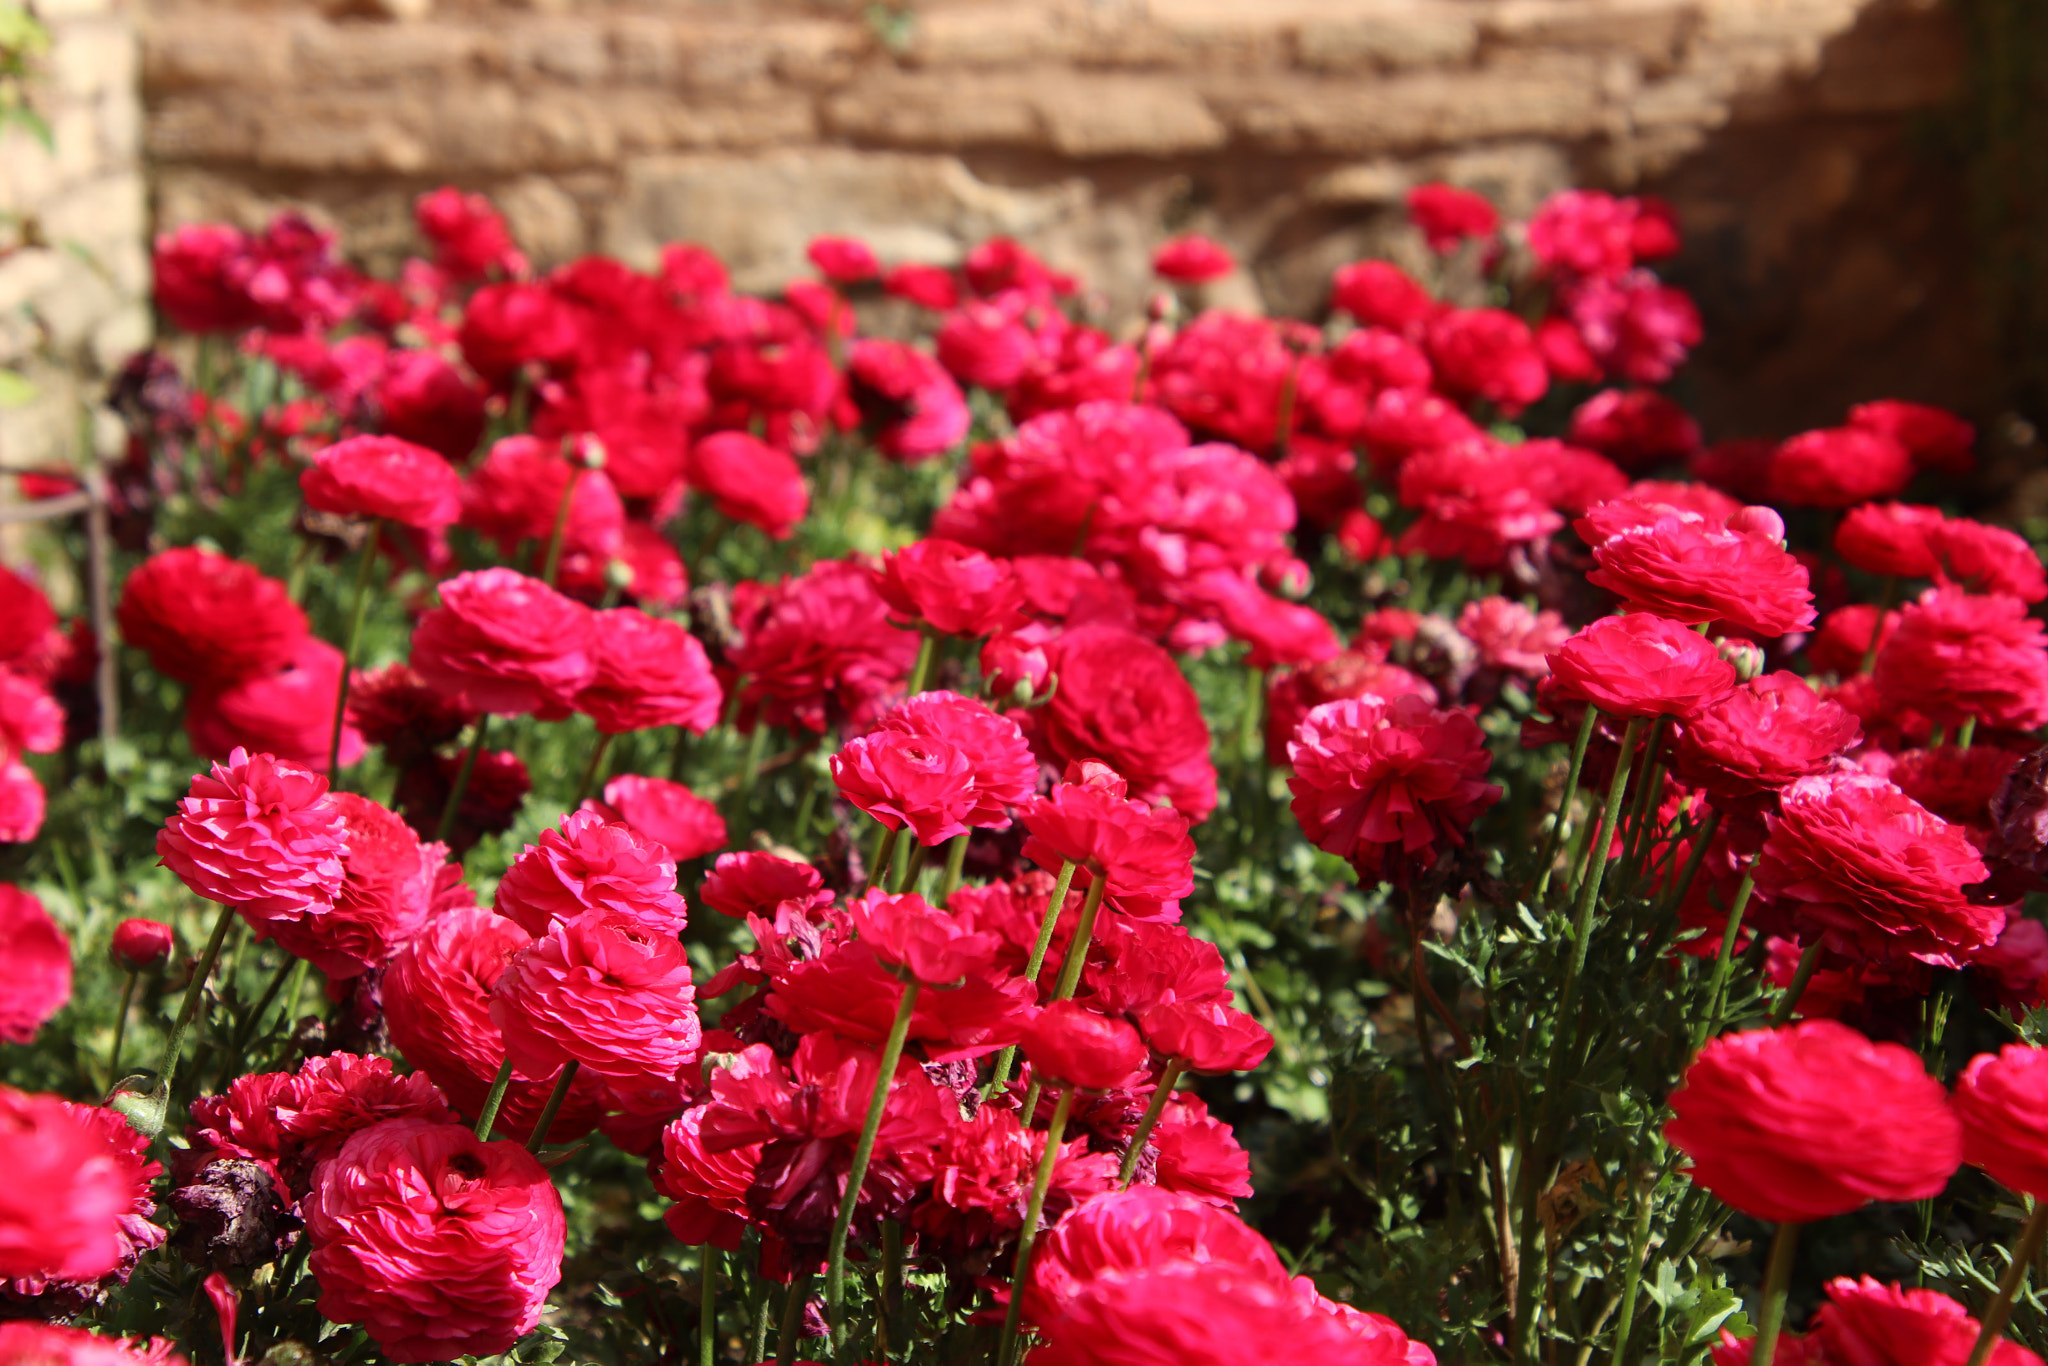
x,y
74,266
1827,245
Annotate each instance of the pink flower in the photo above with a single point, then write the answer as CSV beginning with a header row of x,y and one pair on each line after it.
x,y
38,959
605,988
1510,636
914,406
508,643
751,883
671,815
843,260
60,1214
750,481
260,836
386,893
1193,260
440,1245
939,763
382,476
931,945
587,865
954,588
1640,665
287,713
650,672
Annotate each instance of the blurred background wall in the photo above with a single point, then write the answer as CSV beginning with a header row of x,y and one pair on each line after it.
x,y
1810,146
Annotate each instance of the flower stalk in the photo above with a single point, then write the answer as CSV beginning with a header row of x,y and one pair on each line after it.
x,y
856,1173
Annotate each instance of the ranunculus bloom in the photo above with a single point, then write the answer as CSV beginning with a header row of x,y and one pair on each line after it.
x,y
1838,467
846,260
914,406
954,588
1955,784
1635,428
1640,665
260,836
26,616
589,864
605,988
515,494
1938,439
668,813
1956,656
1193,260
987,344
817,649
933,946
1293,693
1865,1323
751,883
1487,353
1206,1036
940,763
382,476
2002,1100
140,944
438,1244
750,481
287,712
1838,646
650,672
1511,637
1123,700
1448,214
1387,785
1380,294
437,1002
67,1190
395,708
1144,853
1987,559
469,235
386,893
1694,574
48,1344
22,804
38,960
1070,1045
508,643
1811,1121
1853,858
204,618
1586,233
1889,538
932,287
1760,736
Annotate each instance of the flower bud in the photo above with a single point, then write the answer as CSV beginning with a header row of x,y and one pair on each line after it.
x,y
141,944
1759,521
1014,667
1746,655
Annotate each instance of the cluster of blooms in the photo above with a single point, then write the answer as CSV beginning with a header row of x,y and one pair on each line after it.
x,y
993,1073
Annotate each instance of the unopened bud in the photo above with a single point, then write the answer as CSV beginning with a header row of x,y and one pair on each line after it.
x,y
1759,521
141,944
1746,655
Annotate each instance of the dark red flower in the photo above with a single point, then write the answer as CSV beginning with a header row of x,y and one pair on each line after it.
x,y
423,399
907,398
394,707
1838,467
1635,428
817,649
204,618
1955,784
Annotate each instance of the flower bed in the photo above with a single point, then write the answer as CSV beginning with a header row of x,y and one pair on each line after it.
x,y
634,822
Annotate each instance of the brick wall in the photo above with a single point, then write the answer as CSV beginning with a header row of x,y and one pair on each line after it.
x,y
74,268
1830,252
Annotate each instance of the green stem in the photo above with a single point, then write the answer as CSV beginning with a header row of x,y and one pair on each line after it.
x,y
927,647
553,561
194,993
1249,747
1702,840
1084,934
707,1308
792,1317
553,1107
1999,1312
912,867
488,1116
761,1320
1008,1058
881,856
348,651
592,769
1160,1094
1564,805
887,1309
455,793
956,863
1638,1243
120,1028
1718,986
1887,595
238,1042
1777,1275
835,1252
1966,732
1028,1235
1596,870
1809,960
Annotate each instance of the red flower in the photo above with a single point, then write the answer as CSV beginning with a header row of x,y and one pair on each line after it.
x,y
197,270
1293,693
843,260
1123,700
934,947
650,672
1854,859
1509,636
1070,1045
588,865
287,713
817,648
26,617
1477,499
336,1096
710,1189
1640,665
1192,260
138,945
1987,559
48,1344
1206,1036
505,326
260,836
606,988
954,588
1811,1121
438,1244
1448,215
982,1178
755,884
1144,852
1955,656
914,406
1955,784
1838,467
1838,646
1487,353
38,959
61,1212
497,789
667,813
1868,1324
1380,294
1694,575
932,287
394,707
204,618
750,481
469,236
1383,784
1889,538
1633,326
515,494
986,343
437,1002
1938,440
425,401
1635,428
508,643
940,762
386,893
1759,737
2002,1100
